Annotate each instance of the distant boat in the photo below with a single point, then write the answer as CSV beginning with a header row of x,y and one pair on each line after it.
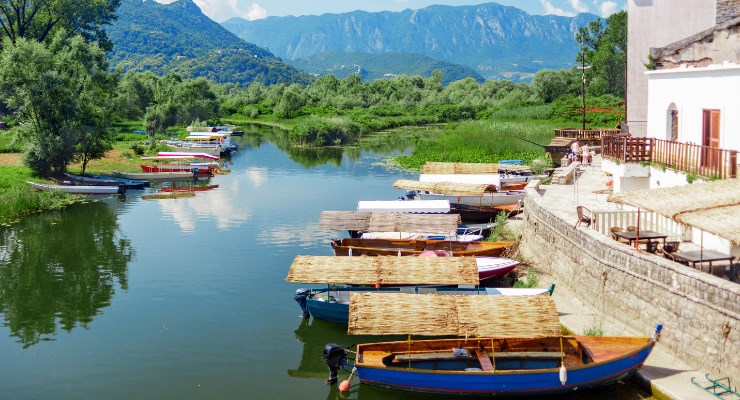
x,y
79,189
392,247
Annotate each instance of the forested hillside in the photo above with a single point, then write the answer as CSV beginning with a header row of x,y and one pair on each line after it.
x,y
178,37
386,65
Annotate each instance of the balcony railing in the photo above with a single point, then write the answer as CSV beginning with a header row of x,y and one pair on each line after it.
x,y
710,162
626,148
584,134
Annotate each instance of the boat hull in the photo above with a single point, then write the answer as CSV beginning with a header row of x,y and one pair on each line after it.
x,y
493,199
382,247
338,311
509,382
79,189
194,170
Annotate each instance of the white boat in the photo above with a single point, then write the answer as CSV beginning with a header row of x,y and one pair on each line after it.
x,y
181,146
460,235
489,199
186,154
79,189
222,139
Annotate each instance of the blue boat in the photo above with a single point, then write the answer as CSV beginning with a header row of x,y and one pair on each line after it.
x,y
514,366
332,303
91,179
511,162
505,346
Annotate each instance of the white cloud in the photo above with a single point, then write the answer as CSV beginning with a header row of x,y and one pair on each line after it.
x,y
608,8
551,9
578,6
219,10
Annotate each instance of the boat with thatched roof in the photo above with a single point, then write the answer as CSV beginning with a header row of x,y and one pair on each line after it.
x,y
451,275
506,346
410,247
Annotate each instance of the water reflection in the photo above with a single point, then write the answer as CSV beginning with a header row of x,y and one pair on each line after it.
x,y
217,205
60,268
310,157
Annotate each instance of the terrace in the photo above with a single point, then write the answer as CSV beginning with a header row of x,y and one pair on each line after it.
x,y
703,161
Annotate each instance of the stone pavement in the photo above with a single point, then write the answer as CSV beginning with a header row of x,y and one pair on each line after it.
x,y
663,374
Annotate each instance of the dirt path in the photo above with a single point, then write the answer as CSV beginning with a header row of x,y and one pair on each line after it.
x,y
10,160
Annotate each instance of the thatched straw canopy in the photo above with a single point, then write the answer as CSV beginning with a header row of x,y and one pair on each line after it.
x,y
471,168
443,315
713,207
448,188
387,270
388,222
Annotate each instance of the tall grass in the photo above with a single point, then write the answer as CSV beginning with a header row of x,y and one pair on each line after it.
x,y
18,199
486,141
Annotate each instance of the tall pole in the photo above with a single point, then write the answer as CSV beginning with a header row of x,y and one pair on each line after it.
x,y
583,86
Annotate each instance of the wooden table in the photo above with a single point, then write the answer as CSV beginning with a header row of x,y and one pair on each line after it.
x,y
631,236
694,257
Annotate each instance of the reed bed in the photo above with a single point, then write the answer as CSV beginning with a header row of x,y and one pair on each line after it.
x,y
486,141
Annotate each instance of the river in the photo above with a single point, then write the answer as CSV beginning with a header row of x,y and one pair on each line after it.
x,y
185,298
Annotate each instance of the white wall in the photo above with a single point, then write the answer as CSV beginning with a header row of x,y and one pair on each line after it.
x,y
692,90
657,23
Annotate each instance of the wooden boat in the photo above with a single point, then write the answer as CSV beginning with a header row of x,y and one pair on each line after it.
x,y
502,366
79,189
154,176
393,247
483,214
505,346
97,180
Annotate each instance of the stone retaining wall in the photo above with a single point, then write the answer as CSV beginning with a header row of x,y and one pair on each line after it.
x,y
699,311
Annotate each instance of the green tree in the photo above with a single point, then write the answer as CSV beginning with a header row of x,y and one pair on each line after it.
x,y
57,89
39,19
605,49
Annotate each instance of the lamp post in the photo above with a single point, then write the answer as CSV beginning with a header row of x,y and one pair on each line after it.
x,y
584,67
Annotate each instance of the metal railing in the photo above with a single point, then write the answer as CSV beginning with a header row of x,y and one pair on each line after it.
x,y
710,162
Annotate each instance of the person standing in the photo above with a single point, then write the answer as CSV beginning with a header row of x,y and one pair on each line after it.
x,y
586,155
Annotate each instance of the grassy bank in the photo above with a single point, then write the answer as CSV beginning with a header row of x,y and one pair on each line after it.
x,y
484,141
19,200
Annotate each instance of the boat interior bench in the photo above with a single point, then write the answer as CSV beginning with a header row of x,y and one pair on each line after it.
x,y
532,355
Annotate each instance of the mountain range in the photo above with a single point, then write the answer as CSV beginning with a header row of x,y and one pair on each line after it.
x,y
499,42
178,37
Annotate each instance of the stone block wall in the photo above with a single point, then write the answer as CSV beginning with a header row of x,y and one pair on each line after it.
x,y
699,311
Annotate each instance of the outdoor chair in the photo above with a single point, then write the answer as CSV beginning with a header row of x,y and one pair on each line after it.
x,y
616,229
585,216
633,229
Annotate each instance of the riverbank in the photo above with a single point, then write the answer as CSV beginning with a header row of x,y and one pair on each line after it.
x,y
603,285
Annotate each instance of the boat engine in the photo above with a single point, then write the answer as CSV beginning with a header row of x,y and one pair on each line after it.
x,y
300,297
410,194
334,356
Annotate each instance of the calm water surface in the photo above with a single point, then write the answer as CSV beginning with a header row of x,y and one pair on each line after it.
x,y
186,298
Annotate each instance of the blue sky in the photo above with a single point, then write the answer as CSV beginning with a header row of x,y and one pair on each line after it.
x,y
220,10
